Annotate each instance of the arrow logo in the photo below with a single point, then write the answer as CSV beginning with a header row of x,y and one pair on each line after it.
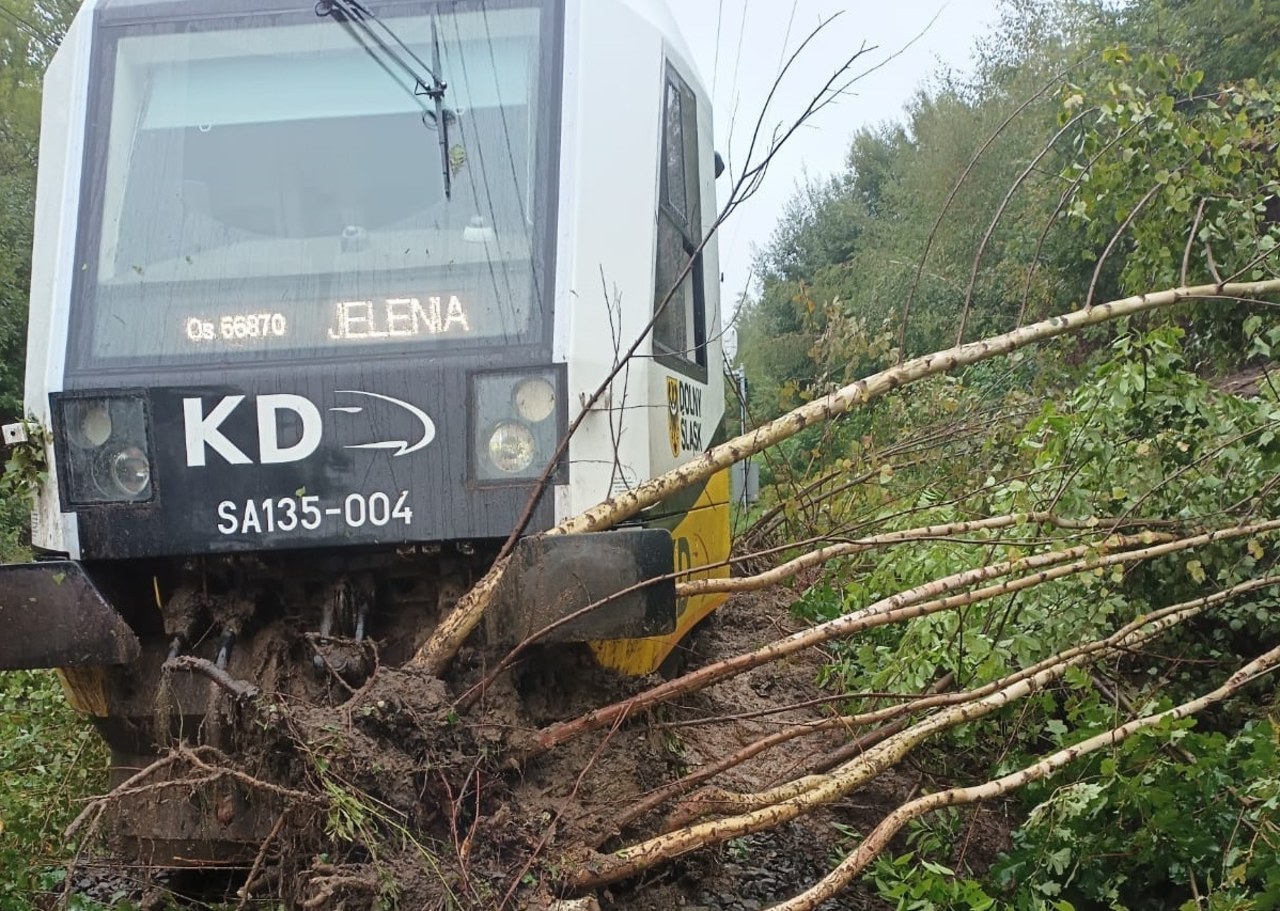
x,y
400,447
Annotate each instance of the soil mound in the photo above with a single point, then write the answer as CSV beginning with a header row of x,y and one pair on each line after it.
x,y
401,792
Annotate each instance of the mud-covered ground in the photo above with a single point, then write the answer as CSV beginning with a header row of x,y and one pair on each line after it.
x,y
753,872
410,804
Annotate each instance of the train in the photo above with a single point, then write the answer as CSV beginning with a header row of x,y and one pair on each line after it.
x,y
317,290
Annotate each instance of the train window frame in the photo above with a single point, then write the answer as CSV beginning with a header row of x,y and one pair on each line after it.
x,y
533,340
679,212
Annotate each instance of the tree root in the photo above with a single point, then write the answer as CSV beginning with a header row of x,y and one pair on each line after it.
x,y
240,689
331,882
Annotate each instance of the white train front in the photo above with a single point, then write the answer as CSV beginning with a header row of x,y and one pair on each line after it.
x,y
272,238
317,291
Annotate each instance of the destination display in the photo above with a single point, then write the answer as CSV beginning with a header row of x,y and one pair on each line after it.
x,y
358,321
183,323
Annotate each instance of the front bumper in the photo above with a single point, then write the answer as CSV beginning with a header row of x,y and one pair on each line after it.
x,y
614,584
53,616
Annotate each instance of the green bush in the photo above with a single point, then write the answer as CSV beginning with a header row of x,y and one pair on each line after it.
x,y
1182,817
1179,818
50,759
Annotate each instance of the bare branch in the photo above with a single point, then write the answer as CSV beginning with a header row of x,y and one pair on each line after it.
x,y
1115,239
955,190
903,606
1004,204
826,554
1053,216
1191,239
743,188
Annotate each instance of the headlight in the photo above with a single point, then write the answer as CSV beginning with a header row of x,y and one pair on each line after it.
x,y
131,472
511,448
108,457
514,424
535,399
88,422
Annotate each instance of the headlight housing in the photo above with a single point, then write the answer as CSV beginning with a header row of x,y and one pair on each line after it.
x,y
517,419
107,455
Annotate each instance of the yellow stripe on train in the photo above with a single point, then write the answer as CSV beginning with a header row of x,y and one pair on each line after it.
x,y
701,539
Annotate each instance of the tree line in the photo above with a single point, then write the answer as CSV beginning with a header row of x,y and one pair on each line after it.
x,y
996,196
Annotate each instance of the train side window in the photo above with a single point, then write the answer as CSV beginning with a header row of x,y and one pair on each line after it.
x,y
673,151
680,334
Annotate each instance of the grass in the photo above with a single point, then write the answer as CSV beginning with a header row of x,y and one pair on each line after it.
x,y
50,759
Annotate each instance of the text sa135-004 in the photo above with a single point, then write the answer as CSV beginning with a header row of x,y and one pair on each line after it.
x,y
309,513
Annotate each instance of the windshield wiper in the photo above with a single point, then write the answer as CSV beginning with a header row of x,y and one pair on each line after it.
x,y
358,20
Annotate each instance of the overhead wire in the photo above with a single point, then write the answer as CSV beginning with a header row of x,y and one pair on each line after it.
x,y
526,219
742,33
34,31
362,36
502,111
715,68
351,14
786,39
354,12
484,178
367,15
357,13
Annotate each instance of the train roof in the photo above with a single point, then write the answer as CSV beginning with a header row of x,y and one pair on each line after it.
x,y
656,12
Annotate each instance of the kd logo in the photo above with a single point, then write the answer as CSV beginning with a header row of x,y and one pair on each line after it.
x,y
673,415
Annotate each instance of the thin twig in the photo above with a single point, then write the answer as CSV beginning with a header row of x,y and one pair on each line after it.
x,y
1115,239
1191,239
955,190
259,862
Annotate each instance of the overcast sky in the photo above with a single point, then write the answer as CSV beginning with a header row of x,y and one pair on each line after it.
x,y
754,36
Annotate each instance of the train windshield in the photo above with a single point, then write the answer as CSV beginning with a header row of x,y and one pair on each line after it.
x,y
285,185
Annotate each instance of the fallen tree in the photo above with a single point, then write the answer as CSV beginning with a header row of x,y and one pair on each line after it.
x,y
440,649
448,732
